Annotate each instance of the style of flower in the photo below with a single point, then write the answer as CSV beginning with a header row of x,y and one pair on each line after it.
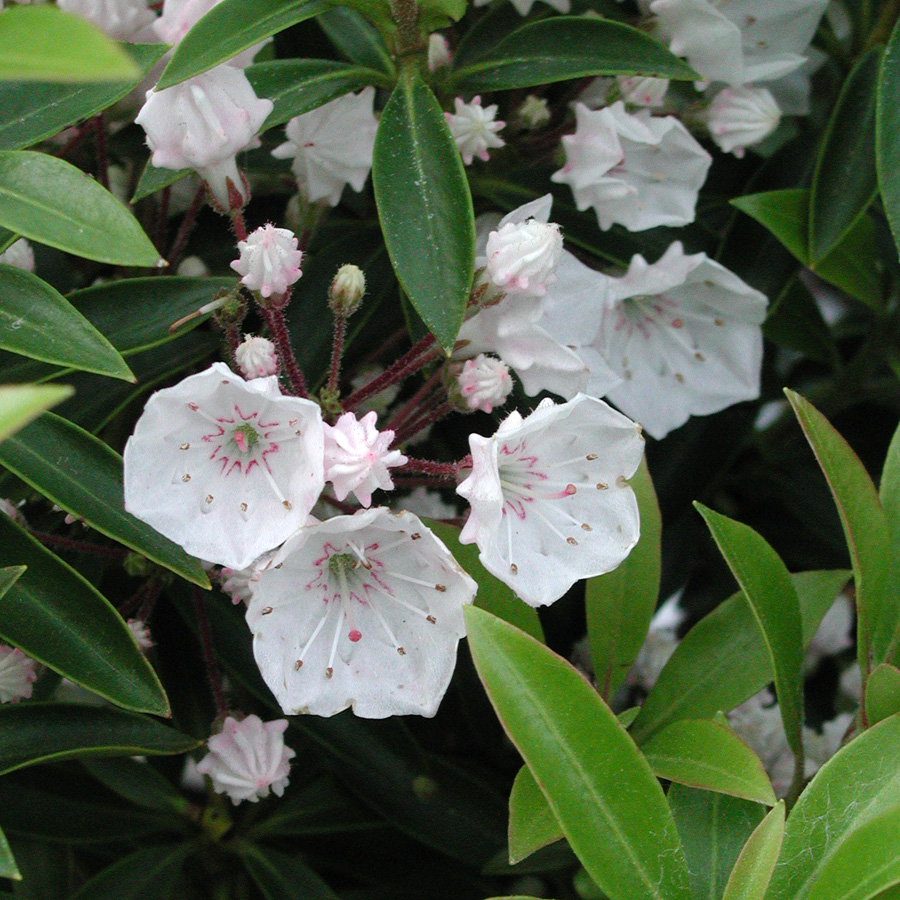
x,y
202,124
523,7
636,170
256,357
141,633
269,261
123,20
740,117
248,759
17,674
224,467
362,611
18,254
357,457
474,128
331,146
484,383
549,496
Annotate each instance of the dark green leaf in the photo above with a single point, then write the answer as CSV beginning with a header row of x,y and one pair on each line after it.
x,y
795,321
38,322
50,201
566,47
887,132
613,814
138,783
532,824
31,112
22,403
39,732
425,207
58,618
148,874
844,183
753,870
83,476
8,868
283,877
153,179
357,39
882,693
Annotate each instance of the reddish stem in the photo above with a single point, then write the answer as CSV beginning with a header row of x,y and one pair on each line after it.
x,y
184,231
274,319
430,467
419,355
414,402
73,143
238,224
209,657
162,217
233,336
54,540
102,159
411,430
337,351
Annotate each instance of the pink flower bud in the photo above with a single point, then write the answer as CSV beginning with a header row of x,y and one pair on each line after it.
x,y
484,383
257,357
270,260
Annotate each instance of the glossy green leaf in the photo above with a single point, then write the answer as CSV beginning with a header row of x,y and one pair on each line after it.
x,y
889,495
9,576
359,41
42,43
601,790
153,179
752,872
704,754
50,201
8,867
865,530
844,182
425,207
493,595
620,604
137,782
40,732
565,47
859,783
22,403
887,132
147,874
882,693
230,28
532,824
38,322
83,476
723,659
297,86
282,877
31,112
60,619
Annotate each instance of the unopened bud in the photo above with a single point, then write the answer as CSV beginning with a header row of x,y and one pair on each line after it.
x,y
256,357
438,52
534,112
347,290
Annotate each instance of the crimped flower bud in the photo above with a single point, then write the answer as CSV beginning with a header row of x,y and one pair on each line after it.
x,y
534,112
270,260
739,117
522,256
256,357
484,383
347,290
438,52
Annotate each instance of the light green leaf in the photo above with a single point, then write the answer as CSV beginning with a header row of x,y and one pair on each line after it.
x,y
8,867
357,39
601,790
283,877
83,476
620,604
532,824
153,179
50,201
148,874
22,403
38,322
887,132
753,870
425,207
56,616
882,693
42,43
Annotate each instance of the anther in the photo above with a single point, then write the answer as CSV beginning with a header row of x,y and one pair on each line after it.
x,y
329,672
699,357
585,526
591,457
431,619
298,665
601,486
185,446
440,588
677,323
286,504
267,610
679,377
572,541
401,651
185,478
209,498
415,536
514,568
193,406
719,322
243,507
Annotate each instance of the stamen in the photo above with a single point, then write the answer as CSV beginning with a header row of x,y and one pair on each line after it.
x,y
386,593
329,671
419,581
268,476
309,643
387,628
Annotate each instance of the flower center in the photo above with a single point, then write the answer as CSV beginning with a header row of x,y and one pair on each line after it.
x,y
245,437
643,312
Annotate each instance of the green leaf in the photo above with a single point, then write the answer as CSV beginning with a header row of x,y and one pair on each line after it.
x,y
357,39
859,783
723,659
148,874
566,47
50,201
850,266
887,132
882,693
493,595
795,321
153,179
425,207
532,824
31,112
889,495
601,790
283,877
38,322
60,619
865,530
297,86
753,870
83,476
22,403
704,754
844,183
8,867
231,27
137,782
620,604
9,576
32,733
42,43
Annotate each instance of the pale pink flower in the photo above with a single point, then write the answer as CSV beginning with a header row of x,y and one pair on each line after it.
x,y
238,583
523,7
124,20
739,117
270,260
474,128
257,357
642,91
438,52
522,256
141,633
484,383
17,674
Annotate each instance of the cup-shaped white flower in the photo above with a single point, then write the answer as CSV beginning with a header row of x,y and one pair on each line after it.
x,y
224,467
257,357
124,20
269,261
362,611
331,146
740,117
202,124
248,759
474,128
484,383
550,498
17,674
637,170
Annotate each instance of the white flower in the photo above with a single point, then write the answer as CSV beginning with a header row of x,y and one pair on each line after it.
x,y
8,508
740,41
362,611
270,260
332,146
224,467
123,20
523,7
484,383
257,357
238,583
248,758
17,673
141,633
640,91
202,124
19,254
638,170
834,634
659,645
534,112
474,128
192,267
550,498
522,256
357,457
428,504
740,117
438,52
